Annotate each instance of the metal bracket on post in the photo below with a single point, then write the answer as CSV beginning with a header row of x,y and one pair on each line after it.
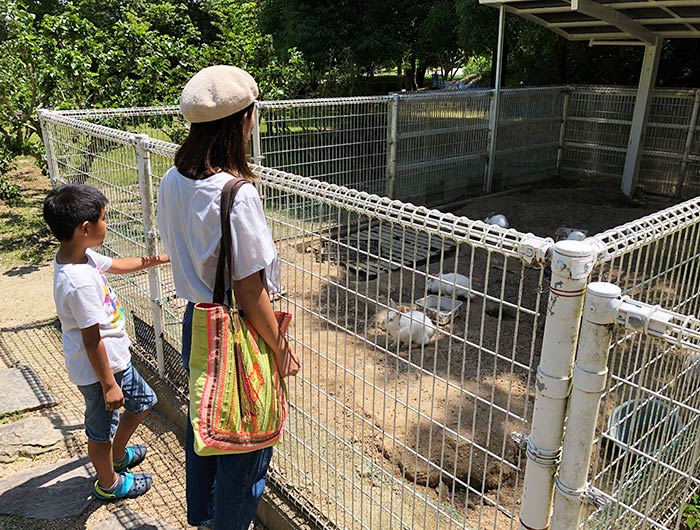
x,y
680,330
143,158
535,250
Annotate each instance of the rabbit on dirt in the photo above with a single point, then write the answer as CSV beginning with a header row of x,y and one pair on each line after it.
x,y
409,327
447,283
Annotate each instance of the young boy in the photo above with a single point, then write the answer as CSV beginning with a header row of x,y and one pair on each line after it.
x,y
95,343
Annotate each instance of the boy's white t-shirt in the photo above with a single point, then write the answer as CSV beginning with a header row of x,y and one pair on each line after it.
x,y
189,223
84,298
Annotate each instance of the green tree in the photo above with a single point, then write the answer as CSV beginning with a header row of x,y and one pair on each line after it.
x,y
241,42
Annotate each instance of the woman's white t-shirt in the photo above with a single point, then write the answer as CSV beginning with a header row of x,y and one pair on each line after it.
x,y
190,228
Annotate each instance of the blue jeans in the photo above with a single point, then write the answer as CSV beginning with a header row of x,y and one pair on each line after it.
x,y
221,490
101,424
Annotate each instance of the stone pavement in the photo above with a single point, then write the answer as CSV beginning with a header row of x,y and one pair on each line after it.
x,y
55,461
45,477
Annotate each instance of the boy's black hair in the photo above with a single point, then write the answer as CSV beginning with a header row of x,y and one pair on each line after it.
x,y
68,206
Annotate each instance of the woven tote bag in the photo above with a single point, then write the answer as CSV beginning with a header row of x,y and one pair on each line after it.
x,y
238,398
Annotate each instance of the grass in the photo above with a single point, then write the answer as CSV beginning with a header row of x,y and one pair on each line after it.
x,y
12,417
25,239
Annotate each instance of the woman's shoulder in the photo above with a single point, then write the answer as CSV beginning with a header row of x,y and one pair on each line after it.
x,y
246,192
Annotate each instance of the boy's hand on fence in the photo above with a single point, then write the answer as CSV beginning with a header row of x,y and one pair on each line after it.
x,y
113,396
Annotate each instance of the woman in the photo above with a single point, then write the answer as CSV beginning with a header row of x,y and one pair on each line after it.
x,y
223,492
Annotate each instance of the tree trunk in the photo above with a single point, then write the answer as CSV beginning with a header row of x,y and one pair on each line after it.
x,y
420,74
411,72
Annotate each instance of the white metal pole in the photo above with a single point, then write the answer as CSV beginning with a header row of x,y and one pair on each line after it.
x,y
572,263
143,158
647,80
392,145
590,373
688,144
495,102
47,136
562,129
257,149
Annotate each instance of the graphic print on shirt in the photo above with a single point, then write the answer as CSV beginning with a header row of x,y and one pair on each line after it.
x,y
112,300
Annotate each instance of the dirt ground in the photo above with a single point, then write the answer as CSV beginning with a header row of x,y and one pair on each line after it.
x,y
450,405
439,416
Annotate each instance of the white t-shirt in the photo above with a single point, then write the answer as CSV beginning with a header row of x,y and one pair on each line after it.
x,y
84,298
190,228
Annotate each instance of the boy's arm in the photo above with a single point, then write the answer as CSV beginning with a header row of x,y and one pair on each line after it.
x,y
127,265
97,355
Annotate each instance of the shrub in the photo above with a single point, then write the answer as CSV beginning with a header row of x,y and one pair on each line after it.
x,y
691,513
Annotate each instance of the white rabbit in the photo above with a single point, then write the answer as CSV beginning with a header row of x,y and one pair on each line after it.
x,y
450,282
411,327
691,364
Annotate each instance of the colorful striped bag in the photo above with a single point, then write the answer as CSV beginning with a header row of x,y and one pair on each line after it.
x,y
237,395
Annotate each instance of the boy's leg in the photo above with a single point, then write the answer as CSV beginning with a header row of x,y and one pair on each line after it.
x,y
100,454
100,426
127,425
139,399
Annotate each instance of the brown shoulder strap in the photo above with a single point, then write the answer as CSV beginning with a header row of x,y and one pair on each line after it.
x,y
225,263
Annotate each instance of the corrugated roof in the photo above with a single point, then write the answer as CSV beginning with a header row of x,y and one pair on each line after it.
x,y
611,21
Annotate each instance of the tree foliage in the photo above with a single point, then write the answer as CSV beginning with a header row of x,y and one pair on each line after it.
x,y
98,53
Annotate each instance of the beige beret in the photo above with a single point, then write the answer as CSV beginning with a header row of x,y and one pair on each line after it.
x,y
216,92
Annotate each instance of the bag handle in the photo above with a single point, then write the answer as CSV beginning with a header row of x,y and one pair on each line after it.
x,y
228,194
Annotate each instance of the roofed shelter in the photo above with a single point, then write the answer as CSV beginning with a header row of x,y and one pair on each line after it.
x,y
618,23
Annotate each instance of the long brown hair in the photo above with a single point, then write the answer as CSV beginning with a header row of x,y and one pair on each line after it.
x,y
215,146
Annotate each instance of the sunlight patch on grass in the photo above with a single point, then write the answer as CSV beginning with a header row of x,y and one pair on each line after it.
x,y
24,237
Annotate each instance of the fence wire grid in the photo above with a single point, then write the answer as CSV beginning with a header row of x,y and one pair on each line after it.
x,y
405,421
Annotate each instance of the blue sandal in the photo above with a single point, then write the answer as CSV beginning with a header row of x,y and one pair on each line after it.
x,y
131,486
134,455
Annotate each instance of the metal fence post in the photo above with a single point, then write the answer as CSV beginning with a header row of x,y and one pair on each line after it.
x,y
51,162
495,104
682,174
588,383
572,263
143,158
392,145
257,148
562,131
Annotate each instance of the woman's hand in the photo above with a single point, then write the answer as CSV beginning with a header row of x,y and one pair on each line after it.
x,y
289,363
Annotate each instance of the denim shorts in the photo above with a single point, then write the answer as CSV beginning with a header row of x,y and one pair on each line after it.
x,y
101,424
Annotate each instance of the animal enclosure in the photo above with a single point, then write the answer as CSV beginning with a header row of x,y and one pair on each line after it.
x,y
414,429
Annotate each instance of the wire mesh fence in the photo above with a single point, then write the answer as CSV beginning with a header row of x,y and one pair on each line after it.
x,y
420,331
597,128
413,376
646,452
